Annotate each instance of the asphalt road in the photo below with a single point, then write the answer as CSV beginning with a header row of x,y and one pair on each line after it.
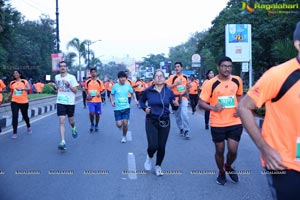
x,y
98,166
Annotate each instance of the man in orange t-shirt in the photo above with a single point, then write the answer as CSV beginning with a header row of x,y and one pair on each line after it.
x,y
179,83
39,86
279,140
108,86
94,87
221,95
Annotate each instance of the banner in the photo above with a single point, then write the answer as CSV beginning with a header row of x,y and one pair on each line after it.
x,y
238,42
56,58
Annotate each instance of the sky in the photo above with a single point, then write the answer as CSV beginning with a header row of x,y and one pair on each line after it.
x,y
126,28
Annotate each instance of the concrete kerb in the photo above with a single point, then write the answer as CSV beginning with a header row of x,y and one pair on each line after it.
x,y
37,107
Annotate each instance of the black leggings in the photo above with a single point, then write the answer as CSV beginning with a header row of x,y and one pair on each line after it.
x,y
84,98
15,107
206,116
157,137
194,101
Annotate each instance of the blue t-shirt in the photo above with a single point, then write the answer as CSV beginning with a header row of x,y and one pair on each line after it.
x,y
120,93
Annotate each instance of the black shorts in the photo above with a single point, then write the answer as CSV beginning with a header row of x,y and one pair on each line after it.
x,y
284,184
63,110
219,134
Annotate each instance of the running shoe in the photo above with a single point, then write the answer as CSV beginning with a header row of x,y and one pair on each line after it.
x,y
221,179
123,140
181,132
187,135
14,136
29,131
96,128
148,163
62,146
158,171
232,173
91,128
74,132
206,126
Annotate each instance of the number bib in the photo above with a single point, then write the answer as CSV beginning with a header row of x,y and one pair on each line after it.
x,y
93,93
298,149
18,92
181,88
122,100
63,99
226,101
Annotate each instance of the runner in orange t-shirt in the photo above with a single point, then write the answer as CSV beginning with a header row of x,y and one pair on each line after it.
x,y
221,95
108,86
279,140
2,89
179,84
193,93
94,87
209,75
39,86
18,91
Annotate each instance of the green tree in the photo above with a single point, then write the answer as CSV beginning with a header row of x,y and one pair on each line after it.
x,y
80,50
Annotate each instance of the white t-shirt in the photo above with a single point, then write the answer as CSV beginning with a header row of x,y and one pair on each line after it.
x,y
64,93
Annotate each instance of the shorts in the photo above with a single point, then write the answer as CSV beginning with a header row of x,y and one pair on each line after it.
x,y
284,184
95,107
122,114
219,134
63,110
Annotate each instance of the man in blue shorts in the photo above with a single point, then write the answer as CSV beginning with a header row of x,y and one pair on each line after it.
x,y
94,87
119,100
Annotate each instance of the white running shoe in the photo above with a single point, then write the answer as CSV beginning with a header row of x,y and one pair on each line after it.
x,y
158,171
123,140
148,163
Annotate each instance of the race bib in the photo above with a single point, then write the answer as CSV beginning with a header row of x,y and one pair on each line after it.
x,y
18,92
123,100
226,101
63,99
93,93
181,88
110,85
298,149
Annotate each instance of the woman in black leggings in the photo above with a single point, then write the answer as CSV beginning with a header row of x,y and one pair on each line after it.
x,y
155,101
18,92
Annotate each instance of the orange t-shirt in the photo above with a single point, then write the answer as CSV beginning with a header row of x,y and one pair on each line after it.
x,y
108,85
194,87
2,86
130,83
179,89
224,93
19,96
139,86
93,88
39,87
281,125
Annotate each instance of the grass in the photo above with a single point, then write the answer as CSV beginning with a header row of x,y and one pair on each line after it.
x,y
30,96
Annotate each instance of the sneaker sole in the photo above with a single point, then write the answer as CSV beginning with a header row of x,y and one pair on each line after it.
x,y
220,183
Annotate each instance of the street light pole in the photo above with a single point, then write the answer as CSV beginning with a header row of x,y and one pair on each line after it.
x,y
57,28
88,44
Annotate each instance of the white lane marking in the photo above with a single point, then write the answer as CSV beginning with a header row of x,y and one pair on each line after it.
x,y
129,136
31,121
131,166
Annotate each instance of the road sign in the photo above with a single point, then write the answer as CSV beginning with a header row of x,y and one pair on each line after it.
x,y
245,67
196,60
